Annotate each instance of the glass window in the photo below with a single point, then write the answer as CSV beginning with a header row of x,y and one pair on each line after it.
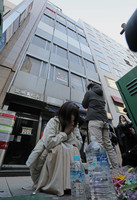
x,y
92,36
117,56
47,20
98,53
31,66
60,51
104,66
112,60
123,66
72,34
61,18
89,30
95,44
70,25
89,65
60,27
61,76
75,58
118,73
106,50
43,73
82,39
76,82
102,42
80,29
111,83
39,42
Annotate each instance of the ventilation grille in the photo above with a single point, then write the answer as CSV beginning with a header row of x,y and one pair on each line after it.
x,y
132,87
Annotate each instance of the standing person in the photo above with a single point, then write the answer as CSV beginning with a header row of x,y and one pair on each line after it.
x,y
97,120
127,139
50,160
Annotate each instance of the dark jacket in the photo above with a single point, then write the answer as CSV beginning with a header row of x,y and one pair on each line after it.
x,y
95,102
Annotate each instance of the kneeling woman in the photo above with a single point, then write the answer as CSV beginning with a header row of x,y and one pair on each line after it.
x,y
50,160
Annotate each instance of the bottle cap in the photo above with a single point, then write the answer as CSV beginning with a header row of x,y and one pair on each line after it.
x,y
76,157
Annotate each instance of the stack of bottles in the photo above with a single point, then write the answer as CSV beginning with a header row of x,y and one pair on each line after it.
x,y
77,177
101,184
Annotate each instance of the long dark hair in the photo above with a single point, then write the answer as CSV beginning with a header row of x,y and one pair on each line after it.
x,y
65,112
120,118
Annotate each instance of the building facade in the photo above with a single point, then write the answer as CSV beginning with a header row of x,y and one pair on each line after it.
x,y
112,61
47,59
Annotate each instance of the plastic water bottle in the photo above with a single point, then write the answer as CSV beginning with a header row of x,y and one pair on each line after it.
x,y
77,177
101,184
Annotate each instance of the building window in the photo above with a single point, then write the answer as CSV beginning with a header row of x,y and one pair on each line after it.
x,y
112,60
50,11
106,50
75,58
117,56
123,66
95,44
35,67
98,53
89,65
60,27
61,18
76,82
72,34
91,36
111,83
58,75
47,20
61,76
90,31
31,66
82,39
104,66
41,43
69,24
118,73
80,29
60,51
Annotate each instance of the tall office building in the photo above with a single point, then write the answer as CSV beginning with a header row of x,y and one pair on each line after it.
x,y
47,59
112,61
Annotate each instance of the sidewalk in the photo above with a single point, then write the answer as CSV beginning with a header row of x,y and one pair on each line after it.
x,y
12,187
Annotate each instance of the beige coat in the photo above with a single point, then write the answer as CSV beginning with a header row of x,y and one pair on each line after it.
x,y
50,160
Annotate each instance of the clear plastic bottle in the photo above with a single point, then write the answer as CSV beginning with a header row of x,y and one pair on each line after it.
x,y
77,177
101,184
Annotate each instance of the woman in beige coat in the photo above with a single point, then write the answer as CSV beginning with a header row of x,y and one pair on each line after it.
x,y
50,160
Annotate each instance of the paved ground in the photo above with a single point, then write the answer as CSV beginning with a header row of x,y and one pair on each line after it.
x,y
12,187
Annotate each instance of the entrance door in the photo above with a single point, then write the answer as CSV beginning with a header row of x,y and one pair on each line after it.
x,y
22,140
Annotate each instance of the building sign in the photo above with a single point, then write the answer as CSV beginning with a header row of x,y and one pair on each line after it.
x,y
7,120
26,131
27,93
